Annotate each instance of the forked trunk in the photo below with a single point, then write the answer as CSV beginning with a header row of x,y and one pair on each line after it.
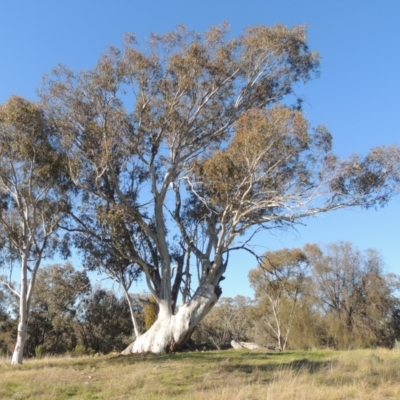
x,y
171,331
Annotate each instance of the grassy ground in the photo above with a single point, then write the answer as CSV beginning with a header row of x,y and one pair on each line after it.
x,y
230,375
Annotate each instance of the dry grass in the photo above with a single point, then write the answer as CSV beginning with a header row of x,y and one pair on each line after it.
x,y
227,375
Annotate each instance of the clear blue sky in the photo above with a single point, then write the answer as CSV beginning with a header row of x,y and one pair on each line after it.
x,y
357,94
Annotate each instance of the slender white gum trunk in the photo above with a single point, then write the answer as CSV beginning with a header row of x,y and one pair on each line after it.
x,y
23,315
21,338
133,318
171,331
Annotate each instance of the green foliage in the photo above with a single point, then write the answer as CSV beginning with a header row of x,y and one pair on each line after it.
x,y
103,322
357,302
279,282
90,352
8,326
40,351
79,351
340,298
59,290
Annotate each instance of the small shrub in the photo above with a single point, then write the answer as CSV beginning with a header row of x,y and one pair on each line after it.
x,y
91,352
40,351
79,351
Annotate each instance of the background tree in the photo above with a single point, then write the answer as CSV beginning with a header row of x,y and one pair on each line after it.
x,y
104,322
58,291
197,154
7,326
333,296
279,282
357,302
228,320
32,200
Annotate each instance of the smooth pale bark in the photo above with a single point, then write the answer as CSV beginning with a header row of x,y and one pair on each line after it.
x,y
23,314
25,296
170,331
21,337
132,312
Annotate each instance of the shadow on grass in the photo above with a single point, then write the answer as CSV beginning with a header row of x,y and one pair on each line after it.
x,y
231,360
303,365
212,357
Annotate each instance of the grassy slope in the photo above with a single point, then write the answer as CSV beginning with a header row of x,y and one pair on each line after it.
x,y
230,375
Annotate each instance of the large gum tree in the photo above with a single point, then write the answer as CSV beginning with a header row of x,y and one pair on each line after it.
x,y
184,144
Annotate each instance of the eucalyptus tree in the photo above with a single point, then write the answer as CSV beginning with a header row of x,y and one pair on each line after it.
x,y
58,291
279,282
353,295
103,322
182,145
33,201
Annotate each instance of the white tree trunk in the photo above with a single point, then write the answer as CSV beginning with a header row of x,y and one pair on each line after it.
x,y
24,306
21,338
133,317
23,316
170,331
